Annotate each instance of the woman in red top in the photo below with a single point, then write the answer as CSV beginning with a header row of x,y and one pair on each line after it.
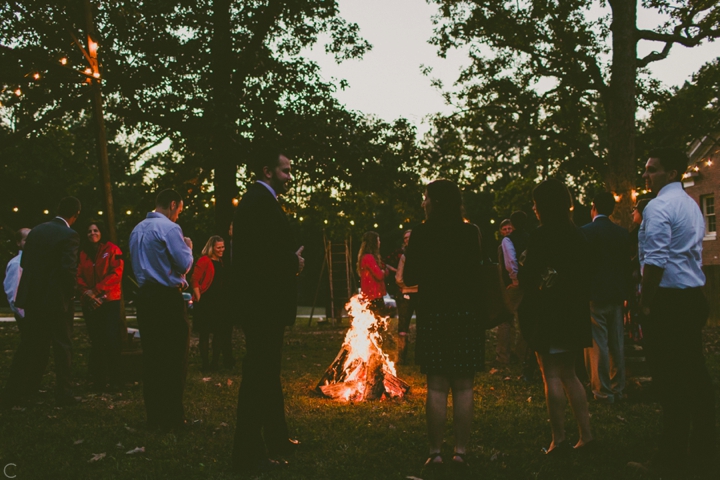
x,y
209,287
99,281
372,271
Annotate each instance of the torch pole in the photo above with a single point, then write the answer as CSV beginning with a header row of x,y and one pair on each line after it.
x,y
97,104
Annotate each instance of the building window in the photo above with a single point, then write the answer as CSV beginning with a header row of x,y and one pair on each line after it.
x,y
708,208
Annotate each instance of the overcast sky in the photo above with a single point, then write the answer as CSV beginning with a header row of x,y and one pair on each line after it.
x,y
388,81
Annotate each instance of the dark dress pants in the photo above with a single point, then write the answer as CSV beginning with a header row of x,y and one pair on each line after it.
x,y
165,338
103,324
406,306
674,335
41,329
261,408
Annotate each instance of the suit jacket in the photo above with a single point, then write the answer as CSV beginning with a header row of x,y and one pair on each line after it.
x,y
265,266
610,265
49,264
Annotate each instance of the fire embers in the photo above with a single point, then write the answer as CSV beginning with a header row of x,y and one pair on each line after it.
x,y
361,371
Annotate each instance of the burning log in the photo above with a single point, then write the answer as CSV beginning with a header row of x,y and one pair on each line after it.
x,y
361,371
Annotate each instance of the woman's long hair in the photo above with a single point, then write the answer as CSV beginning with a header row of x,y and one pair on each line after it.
x,y
369,245
553,203
210,245
86,246
445,201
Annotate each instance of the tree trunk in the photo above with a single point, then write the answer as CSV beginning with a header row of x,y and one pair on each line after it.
x,y
222,153
620,107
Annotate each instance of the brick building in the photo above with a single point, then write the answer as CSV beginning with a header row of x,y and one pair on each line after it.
x,y
702,183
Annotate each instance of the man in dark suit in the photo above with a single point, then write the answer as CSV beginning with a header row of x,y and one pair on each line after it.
x,y
266,262
46,290
610,284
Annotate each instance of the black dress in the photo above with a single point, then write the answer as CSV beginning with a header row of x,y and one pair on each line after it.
x,y
443,259
556,319
210,311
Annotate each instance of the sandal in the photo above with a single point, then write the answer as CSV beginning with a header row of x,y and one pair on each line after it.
x,y
431,463
462,463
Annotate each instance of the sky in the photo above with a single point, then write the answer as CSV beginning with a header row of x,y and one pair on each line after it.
x,y
388,83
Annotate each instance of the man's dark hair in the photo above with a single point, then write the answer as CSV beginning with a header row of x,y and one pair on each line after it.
x,y
553,202
671,159
166,197
518,220
267,157
68,207
604,203
446,200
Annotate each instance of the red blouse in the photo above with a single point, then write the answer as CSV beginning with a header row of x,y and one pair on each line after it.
x,y
372,278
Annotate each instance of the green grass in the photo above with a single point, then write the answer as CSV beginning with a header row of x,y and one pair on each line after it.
x,y
374,440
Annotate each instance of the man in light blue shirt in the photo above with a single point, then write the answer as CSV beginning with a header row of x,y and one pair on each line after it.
x,y
13,273
670,249
161,257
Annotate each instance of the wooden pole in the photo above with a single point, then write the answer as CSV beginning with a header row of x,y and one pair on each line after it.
x,y
106,186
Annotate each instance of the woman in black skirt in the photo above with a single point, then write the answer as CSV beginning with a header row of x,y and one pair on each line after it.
x,y
443,259
554,313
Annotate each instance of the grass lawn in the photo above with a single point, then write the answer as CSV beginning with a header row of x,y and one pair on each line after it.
x,y
374,440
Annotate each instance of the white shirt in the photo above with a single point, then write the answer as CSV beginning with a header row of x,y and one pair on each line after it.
x,y
66,222
671,236
510,257
12,280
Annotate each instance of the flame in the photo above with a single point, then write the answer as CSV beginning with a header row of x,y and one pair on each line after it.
x,y
362,342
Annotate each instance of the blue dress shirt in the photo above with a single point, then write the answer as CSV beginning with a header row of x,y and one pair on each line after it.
x,y
159,253
11,282
671,236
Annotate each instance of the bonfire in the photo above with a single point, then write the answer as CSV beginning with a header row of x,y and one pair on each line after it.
x,y
362,371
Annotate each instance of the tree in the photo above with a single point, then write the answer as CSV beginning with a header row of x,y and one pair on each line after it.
x,y
539,96
689,113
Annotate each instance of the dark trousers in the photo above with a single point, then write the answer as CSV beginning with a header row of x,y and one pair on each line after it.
x,y
40,330
261,408
214,319
165,338
406,307
674,336
103,324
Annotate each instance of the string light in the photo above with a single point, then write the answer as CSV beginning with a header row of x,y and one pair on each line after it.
x,y
235,201
617,197
352,222
709,163
697,169
325,222
45,212
100,212
88,71
492,221
63,61
634,195
301,219
375,225
207,205
15,209
96,75
401,226
128,212
36,76
18,92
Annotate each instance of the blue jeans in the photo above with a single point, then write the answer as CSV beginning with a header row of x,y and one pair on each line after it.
x,y
605,360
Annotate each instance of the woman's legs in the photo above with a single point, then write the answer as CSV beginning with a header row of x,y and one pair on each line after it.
x,y
436,410
560,380
462,394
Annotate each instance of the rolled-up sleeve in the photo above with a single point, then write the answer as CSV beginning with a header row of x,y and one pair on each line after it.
x,y
657,238
510,257
181,255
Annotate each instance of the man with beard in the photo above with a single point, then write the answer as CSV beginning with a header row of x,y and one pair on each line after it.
x,y
266,262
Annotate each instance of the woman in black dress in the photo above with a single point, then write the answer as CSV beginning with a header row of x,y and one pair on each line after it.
x,y
443,259
555,311
209,285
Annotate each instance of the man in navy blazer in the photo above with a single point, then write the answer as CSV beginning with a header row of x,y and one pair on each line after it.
x,y
46,290
610,286
266,263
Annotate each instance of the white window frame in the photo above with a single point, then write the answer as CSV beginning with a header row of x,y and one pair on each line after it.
x,y
704,206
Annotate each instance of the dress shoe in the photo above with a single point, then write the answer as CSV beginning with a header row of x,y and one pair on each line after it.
x,y
285,448
435,460
265,465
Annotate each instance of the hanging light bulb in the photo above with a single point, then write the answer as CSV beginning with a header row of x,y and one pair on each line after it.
x,y
63,61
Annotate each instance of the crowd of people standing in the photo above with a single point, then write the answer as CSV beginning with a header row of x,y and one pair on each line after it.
x,y
564,289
